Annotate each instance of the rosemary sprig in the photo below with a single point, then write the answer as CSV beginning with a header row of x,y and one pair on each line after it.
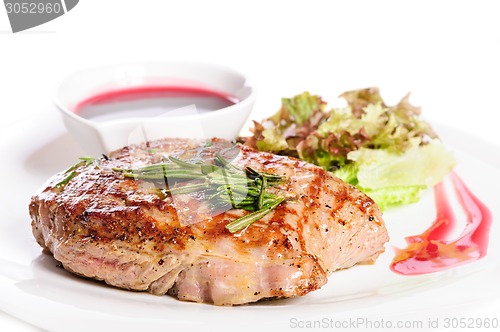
x,y
66,179
260,198
71,173
250,218
223,183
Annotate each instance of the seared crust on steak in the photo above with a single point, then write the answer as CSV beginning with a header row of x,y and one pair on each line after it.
x,y
126,232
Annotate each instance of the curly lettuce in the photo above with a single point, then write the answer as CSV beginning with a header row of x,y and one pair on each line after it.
x,y
388,152
298,117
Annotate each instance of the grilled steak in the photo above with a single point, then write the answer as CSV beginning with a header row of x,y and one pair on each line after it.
x,y
127,232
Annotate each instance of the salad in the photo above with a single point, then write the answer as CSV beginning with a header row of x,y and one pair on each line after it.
x,y
388,152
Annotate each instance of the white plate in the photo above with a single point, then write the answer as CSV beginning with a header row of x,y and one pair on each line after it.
x,y
34,289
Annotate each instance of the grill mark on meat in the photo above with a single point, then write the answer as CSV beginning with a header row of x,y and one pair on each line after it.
x,y
104,226
315,187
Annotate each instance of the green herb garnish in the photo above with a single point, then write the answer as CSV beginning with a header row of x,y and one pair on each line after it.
x,y
71,173
250,218
223,183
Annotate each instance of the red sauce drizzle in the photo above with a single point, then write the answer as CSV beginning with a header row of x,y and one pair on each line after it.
x,y
430,252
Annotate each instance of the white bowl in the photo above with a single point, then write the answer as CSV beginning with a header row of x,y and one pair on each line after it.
x,y
98,137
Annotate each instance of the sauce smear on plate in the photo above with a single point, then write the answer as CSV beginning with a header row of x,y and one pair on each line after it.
x,y
151,101
430,252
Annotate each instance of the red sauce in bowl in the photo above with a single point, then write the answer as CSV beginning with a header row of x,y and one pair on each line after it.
x,y
151,101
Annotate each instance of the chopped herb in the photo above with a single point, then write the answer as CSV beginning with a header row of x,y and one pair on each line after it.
x,y
250,218
66,179
71,173
88,160
223,183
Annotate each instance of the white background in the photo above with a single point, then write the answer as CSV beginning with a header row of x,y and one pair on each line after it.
x,y
445,52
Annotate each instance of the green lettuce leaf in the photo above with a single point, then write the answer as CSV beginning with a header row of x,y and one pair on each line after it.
x,y
424,165
395,196
348,173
